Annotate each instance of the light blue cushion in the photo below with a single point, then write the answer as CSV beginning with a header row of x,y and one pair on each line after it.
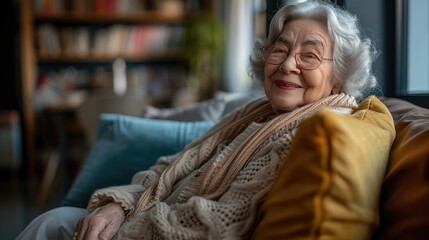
x,y
125,145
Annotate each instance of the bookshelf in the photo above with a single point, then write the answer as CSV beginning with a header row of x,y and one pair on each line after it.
x,y
83,39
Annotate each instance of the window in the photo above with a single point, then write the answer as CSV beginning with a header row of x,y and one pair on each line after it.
x,y
412,51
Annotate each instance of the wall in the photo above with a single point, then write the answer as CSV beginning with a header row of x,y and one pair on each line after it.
x,y
372,18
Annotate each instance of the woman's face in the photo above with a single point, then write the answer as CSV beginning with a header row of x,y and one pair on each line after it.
x,y
287,85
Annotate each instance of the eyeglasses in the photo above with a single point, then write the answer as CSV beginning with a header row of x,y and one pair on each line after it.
x,y
307,60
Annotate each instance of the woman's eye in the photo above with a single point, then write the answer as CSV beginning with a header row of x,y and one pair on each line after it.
x,y
310,55
279,51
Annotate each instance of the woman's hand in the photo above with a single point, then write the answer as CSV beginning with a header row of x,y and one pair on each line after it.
x,y
103,223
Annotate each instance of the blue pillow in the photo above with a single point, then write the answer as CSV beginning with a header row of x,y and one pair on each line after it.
x,y
126,145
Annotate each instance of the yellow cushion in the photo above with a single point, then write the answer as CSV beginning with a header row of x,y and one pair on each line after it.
x,y
328,187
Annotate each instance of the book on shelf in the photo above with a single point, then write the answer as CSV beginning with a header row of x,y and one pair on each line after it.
x,y
81,41
48,40
107,7
114,40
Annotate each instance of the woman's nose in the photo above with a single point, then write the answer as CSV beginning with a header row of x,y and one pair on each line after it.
x,y
289,65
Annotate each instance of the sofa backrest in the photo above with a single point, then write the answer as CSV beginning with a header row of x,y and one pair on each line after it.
x,y
404,208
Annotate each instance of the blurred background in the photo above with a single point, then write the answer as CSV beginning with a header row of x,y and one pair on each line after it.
x,y
64,62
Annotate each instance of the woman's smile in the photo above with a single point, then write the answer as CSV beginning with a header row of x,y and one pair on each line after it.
x,y
286,85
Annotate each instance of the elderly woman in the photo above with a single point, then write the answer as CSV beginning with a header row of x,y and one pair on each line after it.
x,y
313,57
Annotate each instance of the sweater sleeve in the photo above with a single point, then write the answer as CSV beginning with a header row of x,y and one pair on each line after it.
x,y
127,195
230,217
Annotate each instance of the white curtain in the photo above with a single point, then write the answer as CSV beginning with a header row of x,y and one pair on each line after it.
x,y
239,23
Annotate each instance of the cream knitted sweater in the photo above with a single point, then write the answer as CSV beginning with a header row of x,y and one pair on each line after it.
x,y
213,189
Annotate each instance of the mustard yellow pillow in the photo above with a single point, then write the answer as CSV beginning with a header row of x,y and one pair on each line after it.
x,y
328,187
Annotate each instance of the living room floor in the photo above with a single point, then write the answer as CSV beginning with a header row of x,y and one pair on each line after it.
x,y
18,203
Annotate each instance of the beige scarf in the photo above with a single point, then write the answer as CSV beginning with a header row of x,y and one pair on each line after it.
x,y
220,176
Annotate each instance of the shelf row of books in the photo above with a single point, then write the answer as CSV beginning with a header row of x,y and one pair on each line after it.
x,y
87,6
126,40
67,86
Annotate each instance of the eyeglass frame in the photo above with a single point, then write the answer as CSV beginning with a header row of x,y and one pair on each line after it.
x,y
262,49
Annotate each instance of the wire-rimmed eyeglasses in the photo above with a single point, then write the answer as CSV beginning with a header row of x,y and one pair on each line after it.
x,y
307,60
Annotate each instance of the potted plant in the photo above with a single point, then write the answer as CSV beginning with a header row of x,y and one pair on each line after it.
x,y
204,43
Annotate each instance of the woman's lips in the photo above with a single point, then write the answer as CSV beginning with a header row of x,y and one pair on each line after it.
x,y
285,85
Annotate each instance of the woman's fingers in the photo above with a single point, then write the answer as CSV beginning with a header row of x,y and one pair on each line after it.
x,y
91,226
102,228
96,225
75,234
82,227
102,223
115,216
109,231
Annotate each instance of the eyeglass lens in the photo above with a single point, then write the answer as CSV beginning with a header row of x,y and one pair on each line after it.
x,y
306,60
